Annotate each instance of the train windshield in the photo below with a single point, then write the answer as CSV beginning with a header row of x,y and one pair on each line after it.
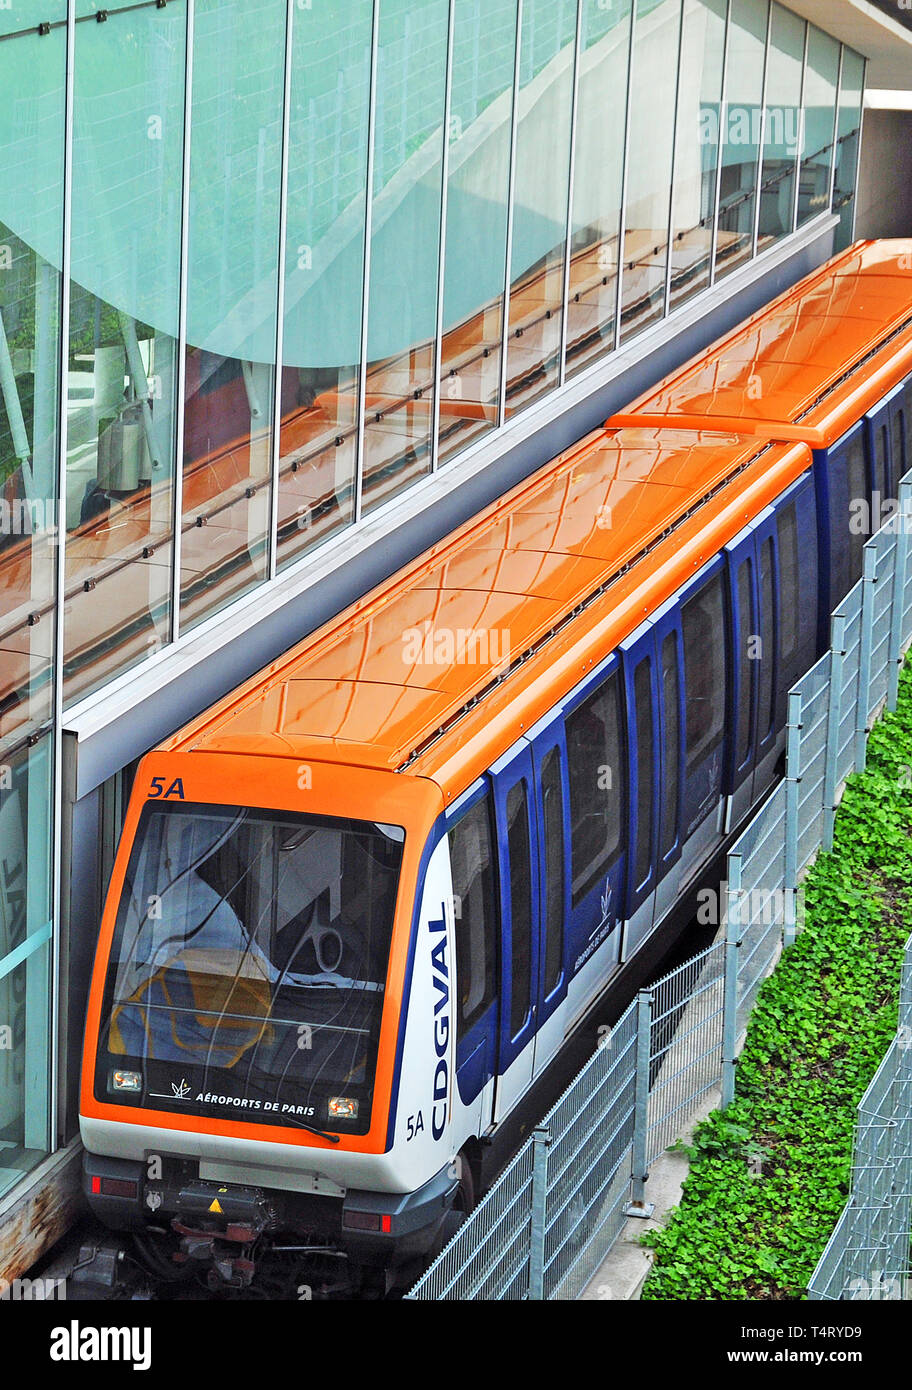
x,y
248,966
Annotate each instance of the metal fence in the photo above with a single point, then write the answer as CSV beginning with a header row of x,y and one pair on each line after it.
x,y
867,1256
552,1216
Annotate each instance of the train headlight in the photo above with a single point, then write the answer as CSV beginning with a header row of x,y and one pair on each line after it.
x,y
126,1081
343,1108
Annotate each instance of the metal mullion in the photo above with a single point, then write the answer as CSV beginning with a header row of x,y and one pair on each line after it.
x,y
622,223
272,543
864,82
835,147
508,253
674,158
56,885
441,242
799,153
571,177
365,276
177,487
720,147
763,91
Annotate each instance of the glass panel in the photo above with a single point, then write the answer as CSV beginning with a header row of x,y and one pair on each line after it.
x,y
25,1031
327,197
481,110
32,128
32,73
553,819
121,382
697,148
238,80
642,693
741,145
249,964
849,132
596,778
26,802
405,245
598,174
472,862
652,121
820,78
782,140
520,906
540,191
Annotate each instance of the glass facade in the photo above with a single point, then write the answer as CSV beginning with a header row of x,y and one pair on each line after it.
x,y
266,264
782,118
848,135
33,123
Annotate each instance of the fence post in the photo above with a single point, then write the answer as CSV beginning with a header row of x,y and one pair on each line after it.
x,y
868,582
639,1171
897,603
792,828
541,1138
834,723
730,988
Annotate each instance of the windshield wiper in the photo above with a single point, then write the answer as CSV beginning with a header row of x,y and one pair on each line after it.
x,y
323,1133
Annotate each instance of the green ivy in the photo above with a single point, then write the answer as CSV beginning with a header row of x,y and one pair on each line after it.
x,y
769,1177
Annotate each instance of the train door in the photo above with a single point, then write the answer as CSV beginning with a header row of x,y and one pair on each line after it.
x,y
753,719
640,687
797,572
888,445
513,779
669,645
905,411
877,432
549,759
741,556
900,401
470,829
848,495
597,785
705,641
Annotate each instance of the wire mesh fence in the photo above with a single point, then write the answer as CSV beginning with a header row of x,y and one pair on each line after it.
x,y
867,1256
547,1224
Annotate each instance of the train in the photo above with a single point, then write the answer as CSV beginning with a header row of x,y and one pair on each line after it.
x,y
362,905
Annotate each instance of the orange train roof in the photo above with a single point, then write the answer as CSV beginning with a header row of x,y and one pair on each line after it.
x,y
782,374
632,510
374,685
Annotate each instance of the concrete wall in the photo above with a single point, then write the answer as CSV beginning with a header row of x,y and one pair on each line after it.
x,y
885,181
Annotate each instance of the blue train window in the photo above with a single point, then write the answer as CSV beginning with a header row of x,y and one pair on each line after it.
x,y
858,491
552,808
472,863
703,625
899,447
767,697
745,637
597,787
520,905
670,697
644,751
789,595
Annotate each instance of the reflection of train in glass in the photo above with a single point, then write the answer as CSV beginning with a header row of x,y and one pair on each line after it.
x,y
360,905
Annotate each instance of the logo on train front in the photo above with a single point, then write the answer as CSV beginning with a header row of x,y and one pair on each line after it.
x,y
441,977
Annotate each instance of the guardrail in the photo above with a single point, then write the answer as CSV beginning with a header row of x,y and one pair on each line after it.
x,y
547,1223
